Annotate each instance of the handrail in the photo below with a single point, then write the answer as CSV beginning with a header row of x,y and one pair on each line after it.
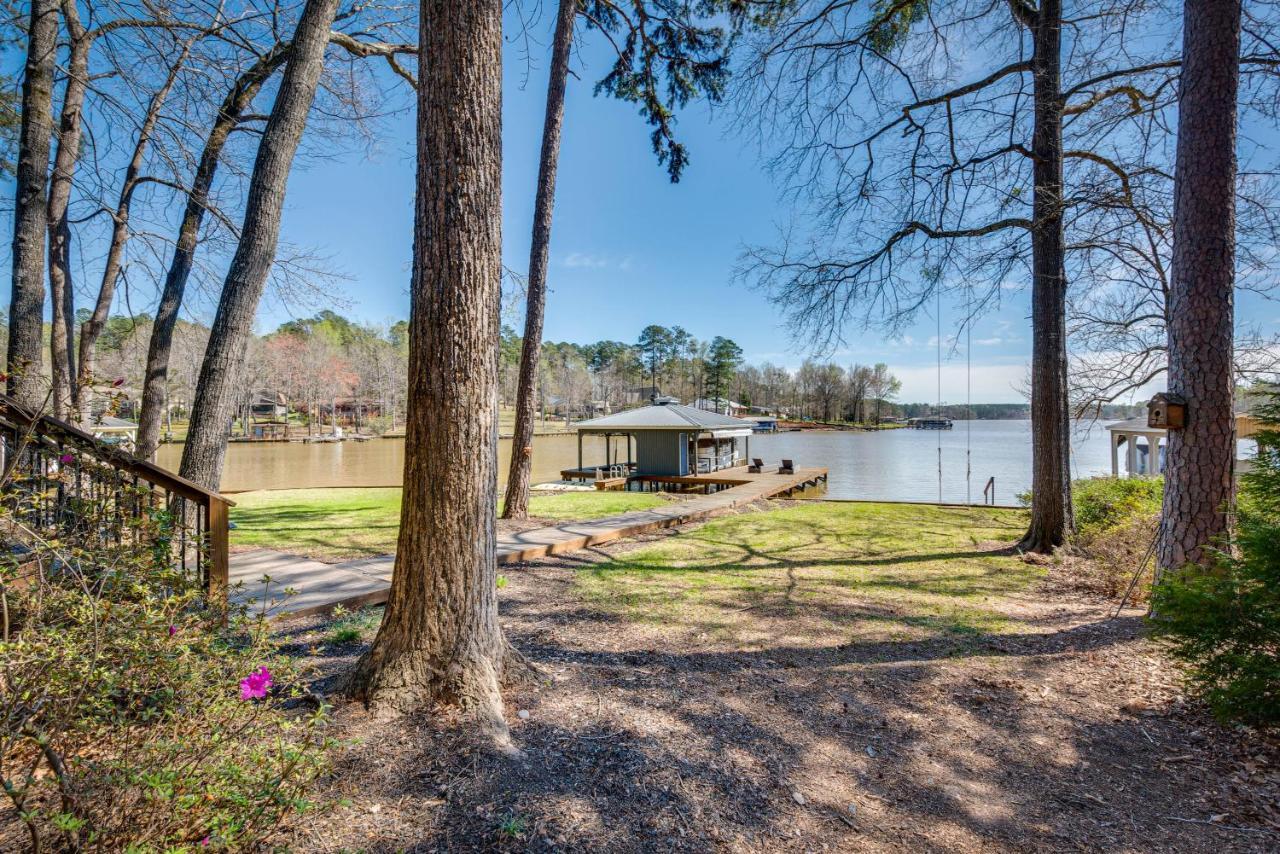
x,y
990,487
211,534
46,424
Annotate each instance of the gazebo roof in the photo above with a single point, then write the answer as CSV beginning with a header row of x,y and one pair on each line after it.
x,y
662,416
1134,425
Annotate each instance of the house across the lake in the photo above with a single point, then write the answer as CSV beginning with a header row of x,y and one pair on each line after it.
x,y
667,439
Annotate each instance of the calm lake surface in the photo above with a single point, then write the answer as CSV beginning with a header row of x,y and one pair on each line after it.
x,y
899,465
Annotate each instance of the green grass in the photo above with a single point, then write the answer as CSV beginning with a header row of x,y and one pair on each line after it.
x,y
890,571
348,523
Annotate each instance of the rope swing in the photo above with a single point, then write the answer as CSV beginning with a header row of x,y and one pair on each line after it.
x,y
938,317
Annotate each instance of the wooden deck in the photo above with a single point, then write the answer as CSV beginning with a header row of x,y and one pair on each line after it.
x,y
357,583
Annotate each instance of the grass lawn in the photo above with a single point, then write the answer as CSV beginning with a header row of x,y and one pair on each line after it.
x,y
889,570
349,523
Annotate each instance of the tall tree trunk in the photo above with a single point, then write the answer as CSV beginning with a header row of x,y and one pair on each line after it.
x,y
92,328
1051,516
155,390
1201,456
61,286
440,638
517,500
26,305
222,370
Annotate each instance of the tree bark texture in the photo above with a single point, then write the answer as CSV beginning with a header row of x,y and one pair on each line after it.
x,y
222,370
155,392
440,639
92,328
1201,456
516,505
61,285
1051,514
26,305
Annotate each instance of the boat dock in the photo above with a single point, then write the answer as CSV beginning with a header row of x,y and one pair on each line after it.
x,y
365,581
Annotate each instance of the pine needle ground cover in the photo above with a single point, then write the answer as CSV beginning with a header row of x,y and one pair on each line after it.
x,y
821,676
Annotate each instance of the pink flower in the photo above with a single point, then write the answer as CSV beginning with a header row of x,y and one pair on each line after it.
x,y
173,630
205,842
67,459
255,685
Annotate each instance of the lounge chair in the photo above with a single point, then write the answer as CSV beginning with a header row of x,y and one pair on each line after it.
x,y
787,467
756,467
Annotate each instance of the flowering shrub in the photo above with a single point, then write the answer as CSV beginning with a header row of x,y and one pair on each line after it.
x,y
134,715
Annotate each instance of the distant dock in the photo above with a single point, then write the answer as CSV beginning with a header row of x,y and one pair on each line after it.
x,y
932,422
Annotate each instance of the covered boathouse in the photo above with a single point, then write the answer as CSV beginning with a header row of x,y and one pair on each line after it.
x,y
667,439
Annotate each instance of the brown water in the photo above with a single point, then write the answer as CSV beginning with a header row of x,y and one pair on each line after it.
x,y
899,465
377,462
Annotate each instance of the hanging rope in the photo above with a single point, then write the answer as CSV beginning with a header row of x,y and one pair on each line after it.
x,y
938,317
968,398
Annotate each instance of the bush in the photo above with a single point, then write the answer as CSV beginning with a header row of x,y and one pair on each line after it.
x,y
1223,621
134,716
1116,519
1102,503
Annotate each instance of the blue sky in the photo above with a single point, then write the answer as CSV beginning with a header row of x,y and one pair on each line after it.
x,y
628,247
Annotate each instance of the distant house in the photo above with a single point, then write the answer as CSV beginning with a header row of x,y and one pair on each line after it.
x,y
641,394
722,405
268,405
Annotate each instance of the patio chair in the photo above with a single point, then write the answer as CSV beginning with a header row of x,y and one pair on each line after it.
x,y
787,467
756,467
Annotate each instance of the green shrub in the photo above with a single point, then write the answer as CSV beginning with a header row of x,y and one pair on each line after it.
x,y
1223,621
135,716
1106,502
1116,519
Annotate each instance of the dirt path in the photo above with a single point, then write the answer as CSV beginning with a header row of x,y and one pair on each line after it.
x,y
1070,736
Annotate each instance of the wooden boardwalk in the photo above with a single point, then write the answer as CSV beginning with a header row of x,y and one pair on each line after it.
x,y
320,586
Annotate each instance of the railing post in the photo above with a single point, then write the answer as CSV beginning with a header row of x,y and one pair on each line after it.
x,y
219,550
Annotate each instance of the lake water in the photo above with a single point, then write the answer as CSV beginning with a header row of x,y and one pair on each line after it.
x,y
900,465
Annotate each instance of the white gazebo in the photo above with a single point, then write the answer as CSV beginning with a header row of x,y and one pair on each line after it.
x,y
1144,447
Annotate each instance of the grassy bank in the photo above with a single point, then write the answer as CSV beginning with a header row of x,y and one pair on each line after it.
x,y
343,523
847,569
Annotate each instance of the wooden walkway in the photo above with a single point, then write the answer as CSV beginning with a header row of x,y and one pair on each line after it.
x,y
320,586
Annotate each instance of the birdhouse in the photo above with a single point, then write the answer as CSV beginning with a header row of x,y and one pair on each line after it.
x,y
1168,411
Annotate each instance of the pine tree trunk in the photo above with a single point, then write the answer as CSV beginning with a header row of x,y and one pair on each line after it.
x,y
26,306
1201,456
1051,514
440,638
222,371
155,392
516,505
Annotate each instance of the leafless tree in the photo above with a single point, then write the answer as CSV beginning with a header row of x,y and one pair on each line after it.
x,y
929,178
205,449
232,114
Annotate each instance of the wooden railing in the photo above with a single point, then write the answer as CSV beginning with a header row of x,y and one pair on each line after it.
x,y
53,470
